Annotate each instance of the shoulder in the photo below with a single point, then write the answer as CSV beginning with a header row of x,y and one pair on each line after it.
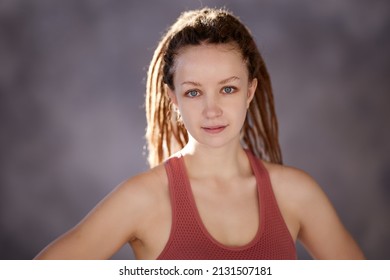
x,y
297,189
314,219
135,201
309,214
300,198
119,218
146,187
136,195
292,181
149,178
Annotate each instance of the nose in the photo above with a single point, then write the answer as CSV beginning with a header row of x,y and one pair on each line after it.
x,y
212,108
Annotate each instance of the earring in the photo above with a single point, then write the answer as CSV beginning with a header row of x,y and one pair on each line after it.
x,y
177,115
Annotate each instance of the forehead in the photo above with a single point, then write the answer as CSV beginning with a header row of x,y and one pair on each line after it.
x,y
209,61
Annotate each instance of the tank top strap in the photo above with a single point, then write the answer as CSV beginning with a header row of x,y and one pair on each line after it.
x,y
190,240
178,184
184,229
263,181
273,218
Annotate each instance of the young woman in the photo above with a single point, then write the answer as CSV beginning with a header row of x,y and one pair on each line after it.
x,y
217,188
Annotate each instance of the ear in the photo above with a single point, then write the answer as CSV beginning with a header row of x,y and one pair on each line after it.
x,y
251,91
172,95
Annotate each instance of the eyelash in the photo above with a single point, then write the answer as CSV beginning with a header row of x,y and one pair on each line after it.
x,y
188,93
233,89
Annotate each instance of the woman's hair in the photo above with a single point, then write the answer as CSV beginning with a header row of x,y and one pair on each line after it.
x,y
166,134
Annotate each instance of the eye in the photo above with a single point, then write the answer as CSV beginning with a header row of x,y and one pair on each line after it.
x,y
192,93
228,90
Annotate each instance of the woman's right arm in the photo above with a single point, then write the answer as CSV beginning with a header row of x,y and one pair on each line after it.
x,y
111,224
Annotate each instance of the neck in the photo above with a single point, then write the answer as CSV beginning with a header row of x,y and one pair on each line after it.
x,y
222,162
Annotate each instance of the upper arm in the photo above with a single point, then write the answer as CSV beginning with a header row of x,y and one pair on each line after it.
x,y
111,224
321,230
310,216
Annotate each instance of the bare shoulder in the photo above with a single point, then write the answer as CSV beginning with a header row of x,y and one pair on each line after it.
x,y
146,188
146,181
292,188
292,182
122,216
298,194
310,215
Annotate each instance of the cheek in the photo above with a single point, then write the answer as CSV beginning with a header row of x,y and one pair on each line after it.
x,y
243,116
242,112
187,113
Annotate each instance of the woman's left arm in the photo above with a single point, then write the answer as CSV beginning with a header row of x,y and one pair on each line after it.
x,y
321,230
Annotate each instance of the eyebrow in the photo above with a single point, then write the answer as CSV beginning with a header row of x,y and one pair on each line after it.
x,y
228,80
225,81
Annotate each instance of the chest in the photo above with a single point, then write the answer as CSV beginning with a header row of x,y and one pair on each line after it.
x,y
228,211
226,215
226,221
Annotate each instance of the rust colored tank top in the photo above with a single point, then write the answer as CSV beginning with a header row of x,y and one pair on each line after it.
x,y
189,238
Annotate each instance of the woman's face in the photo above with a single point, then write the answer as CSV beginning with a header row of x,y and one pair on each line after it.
x,y
212,92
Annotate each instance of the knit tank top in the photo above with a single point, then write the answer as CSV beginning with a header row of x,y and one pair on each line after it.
x,y
189,238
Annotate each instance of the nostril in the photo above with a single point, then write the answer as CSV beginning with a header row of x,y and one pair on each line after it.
x,y
212,112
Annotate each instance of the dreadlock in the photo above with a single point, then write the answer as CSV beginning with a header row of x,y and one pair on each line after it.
x,y
165,134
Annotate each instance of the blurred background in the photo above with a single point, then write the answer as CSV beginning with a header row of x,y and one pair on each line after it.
x,y
72,82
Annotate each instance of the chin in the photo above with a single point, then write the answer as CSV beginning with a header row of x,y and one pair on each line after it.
x,y
218,142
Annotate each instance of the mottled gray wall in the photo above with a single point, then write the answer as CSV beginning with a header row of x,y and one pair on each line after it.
x,y
72,119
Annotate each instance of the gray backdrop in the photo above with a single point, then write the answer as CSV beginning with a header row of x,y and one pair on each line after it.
x,y
72,78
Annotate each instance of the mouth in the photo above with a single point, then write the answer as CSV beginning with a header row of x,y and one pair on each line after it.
x,y
214,129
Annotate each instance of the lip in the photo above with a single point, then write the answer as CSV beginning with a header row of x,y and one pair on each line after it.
x,y
214,129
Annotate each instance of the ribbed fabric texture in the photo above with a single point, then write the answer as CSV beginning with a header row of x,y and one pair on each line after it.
x,y
189,238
